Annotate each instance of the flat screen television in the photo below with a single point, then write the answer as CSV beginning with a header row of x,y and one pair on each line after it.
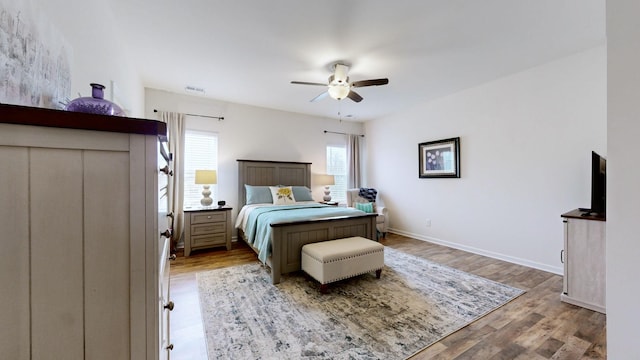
x,y
598,184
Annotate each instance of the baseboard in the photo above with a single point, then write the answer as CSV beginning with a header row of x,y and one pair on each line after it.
x,y
491,254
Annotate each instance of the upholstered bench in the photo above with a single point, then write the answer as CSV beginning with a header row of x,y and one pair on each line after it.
x,y
334,260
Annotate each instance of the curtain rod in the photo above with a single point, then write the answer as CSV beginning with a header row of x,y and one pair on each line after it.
x,y
205,116
339,133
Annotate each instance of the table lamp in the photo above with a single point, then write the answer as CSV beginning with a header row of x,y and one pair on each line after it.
x,y
206,178
326,180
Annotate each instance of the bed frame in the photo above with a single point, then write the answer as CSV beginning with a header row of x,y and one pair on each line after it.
x,y
287,238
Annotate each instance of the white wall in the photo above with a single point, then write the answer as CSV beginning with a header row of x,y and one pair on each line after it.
x,y
97,54
526,143
254,133
623,179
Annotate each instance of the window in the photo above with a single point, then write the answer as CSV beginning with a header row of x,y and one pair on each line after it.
x,y
200,153
337,166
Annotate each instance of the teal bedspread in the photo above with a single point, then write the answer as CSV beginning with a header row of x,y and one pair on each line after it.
x,y
258,229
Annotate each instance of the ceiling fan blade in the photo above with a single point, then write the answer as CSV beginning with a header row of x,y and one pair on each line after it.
x,y
354,96
307,83
372,82
320,97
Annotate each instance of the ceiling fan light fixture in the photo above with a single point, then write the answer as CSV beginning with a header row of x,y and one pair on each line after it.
x,y
339,92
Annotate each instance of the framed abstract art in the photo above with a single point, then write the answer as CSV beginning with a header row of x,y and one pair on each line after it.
x,y
439,159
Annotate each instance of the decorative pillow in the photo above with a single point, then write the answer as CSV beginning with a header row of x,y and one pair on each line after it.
x,y
258,194
282,195
366,207
368,194
302,193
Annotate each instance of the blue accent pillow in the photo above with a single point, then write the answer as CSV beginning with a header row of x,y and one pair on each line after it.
x,y
258,195
302,193
366,207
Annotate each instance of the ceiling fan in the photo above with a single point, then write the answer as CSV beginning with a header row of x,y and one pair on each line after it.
x,y
339,86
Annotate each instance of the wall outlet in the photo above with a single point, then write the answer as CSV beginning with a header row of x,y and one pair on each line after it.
x,y
428,222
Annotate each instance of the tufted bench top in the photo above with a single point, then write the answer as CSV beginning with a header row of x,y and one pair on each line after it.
x,y
340,249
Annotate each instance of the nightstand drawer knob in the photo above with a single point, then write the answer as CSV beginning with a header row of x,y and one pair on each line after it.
x,y
209,217
166,233
169,306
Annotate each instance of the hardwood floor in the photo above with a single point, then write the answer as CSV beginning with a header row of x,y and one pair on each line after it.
x,y
537,325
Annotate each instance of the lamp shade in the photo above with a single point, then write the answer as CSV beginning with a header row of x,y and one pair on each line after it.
x,y
326,180
206,177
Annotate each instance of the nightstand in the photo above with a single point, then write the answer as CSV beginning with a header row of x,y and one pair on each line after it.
x,y
332,203
207,228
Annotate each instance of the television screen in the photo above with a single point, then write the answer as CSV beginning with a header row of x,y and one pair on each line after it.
x,y
598,184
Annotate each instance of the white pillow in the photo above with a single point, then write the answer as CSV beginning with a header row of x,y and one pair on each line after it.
x,y
282,195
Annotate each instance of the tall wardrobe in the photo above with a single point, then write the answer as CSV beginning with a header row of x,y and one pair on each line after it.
x,y
84,236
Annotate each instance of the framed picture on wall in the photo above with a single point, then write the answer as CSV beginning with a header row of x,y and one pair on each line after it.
x,y
439,159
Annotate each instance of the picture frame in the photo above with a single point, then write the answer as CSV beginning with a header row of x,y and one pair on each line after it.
x,y
439,159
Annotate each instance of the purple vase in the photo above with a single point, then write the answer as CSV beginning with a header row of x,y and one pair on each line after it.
x,y
96,104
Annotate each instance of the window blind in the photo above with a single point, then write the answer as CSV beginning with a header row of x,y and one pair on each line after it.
x,y
201,153
337,166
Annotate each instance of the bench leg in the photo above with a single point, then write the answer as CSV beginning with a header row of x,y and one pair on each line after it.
x,y
378,272
323,288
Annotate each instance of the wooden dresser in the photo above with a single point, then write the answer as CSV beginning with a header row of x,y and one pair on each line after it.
x,y
207,228
84,258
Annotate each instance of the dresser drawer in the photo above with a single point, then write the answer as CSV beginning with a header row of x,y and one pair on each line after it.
x,y
207,217
208,228
208,240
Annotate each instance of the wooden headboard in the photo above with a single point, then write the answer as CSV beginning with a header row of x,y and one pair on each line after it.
x,y
271,173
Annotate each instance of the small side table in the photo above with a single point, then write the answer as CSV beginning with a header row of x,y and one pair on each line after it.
x,y
207,228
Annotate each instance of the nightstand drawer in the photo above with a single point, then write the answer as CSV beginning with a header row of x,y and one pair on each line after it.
x,y
207,240
208,228
207,217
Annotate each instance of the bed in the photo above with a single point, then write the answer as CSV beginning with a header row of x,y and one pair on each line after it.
x,y
287,237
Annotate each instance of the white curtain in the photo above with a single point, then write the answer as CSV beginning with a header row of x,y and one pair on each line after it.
x,y
354,162
176,130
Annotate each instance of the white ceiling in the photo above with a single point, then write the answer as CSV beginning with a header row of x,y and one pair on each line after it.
x,y
248,51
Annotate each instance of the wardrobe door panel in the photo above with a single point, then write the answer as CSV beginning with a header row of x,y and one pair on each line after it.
x,y
106,252
56,254
14,240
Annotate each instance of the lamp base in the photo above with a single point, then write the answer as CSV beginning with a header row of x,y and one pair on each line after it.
x,y
327,194
206,200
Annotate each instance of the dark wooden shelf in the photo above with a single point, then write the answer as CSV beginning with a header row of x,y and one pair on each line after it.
x,y
25,115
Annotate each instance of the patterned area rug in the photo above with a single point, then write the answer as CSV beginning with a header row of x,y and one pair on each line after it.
x,y
415,304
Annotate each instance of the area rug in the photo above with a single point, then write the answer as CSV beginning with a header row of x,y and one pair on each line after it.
x,y
414,304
